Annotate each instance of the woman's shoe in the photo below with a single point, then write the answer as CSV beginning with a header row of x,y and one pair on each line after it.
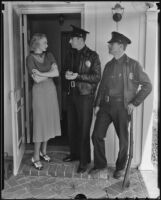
x,y
37,164
45,157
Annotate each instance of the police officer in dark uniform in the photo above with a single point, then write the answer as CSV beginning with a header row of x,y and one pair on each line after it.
x,y
83,73
117,96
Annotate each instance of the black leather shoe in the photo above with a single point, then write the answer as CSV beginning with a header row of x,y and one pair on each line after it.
x,y
118,173
94,170
69,159
81,170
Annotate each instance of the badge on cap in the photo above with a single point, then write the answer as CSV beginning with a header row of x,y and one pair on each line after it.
x,y
88,63
131,76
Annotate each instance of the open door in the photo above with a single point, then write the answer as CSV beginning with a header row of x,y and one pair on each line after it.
x,y
17,86
27,87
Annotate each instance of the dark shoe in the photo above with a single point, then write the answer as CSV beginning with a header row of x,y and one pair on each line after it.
x,y
37,164
118,173
95,170
81,169
69,159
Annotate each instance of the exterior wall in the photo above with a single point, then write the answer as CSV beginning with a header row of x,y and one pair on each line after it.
x,y
151,56
99,22
8,144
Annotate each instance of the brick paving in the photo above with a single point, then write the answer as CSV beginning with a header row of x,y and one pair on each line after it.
x,y
59,180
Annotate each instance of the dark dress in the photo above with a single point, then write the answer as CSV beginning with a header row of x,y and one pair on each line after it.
x,y
46,119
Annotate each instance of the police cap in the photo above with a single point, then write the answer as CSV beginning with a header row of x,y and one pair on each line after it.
x,y
78,32
120,38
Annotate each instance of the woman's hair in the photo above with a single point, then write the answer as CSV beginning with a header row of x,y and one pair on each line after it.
x,y
34,43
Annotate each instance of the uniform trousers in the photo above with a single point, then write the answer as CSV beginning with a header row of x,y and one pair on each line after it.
x,y
108,113
79,113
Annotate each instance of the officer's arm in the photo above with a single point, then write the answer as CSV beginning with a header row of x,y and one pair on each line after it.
x,y
94,75
101,88
145,85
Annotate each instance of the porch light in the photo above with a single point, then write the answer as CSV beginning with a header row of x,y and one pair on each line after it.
x,y
117,12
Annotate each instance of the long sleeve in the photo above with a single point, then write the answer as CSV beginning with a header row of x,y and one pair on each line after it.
x,y
145,86
101,88
30,64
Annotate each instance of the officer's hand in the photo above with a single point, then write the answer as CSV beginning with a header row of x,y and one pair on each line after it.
x,y
68,72
72,76
96,109
130,108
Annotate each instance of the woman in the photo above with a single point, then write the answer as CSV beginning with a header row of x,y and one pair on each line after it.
x,y
46,120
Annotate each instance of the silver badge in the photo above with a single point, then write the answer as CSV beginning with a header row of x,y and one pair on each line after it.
x,y
88,63
131,75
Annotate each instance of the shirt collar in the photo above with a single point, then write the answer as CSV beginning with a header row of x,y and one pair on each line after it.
x,y
82,50
121,59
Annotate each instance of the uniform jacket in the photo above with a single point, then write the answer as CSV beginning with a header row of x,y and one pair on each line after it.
x,y
137,84
89,71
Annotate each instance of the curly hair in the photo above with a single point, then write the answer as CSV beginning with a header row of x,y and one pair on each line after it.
x,y
34,43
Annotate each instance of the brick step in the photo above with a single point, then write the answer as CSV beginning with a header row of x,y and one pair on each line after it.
x,y
57,168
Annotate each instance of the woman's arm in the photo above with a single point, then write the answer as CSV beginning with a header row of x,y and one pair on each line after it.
x,y
52,73
38,79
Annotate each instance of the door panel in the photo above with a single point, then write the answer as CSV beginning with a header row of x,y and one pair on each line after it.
x,y
17,94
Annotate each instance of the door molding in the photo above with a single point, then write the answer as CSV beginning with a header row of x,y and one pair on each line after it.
x,y
52,8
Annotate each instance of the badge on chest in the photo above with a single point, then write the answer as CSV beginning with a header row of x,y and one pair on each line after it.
x,y
131,76
88,63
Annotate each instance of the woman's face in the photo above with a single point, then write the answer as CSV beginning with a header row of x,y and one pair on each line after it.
x,y
43,44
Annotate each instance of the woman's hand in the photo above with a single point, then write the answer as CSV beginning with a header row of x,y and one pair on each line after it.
x,y
36,72
38,78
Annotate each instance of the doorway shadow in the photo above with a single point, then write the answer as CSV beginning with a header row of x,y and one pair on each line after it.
x,y
63,139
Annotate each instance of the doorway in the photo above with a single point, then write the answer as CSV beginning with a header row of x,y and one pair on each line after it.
x,y
57,28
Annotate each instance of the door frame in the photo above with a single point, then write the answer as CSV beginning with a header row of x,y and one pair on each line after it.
x,y
50,8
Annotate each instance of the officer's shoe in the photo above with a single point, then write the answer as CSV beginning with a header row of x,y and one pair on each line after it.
x,y
69,159
118,173
95,170
81,169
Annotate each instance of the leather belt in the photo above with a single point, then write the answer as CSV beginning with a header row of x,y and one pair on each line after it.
x,y
72,84
110,99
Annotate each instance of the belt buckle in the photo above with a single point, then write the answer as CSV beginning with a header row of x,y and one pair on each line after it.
x,y
72,84
107,98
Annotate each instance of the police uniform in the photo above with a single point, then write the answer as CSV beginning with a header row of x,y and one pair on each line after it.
x,y
119,85
80,99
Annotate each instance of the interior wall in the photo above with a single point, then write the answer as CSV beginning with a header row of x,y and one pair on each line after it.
x,y
51,27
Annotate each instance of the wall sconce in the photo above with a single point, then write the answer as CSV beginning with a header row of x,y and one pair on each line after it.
x,y
117,12
61,19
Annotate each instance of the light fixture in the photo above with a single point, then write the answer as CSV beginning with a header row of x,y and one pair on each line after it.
x,y
61,19
117,12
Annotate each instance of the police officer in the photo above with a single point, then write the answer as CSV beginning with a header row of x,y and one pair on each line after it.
x,y
83,73
117,96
